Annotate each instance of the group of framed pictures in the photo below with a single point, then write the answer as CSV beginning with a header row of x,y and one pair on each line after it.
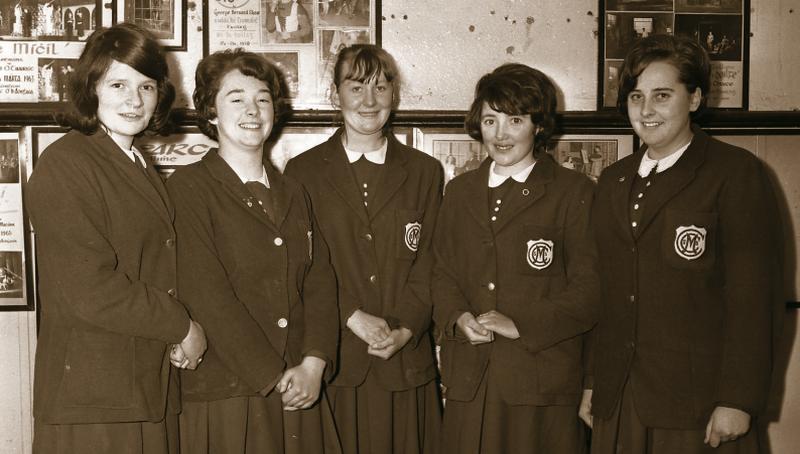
x,y
719,26
40,40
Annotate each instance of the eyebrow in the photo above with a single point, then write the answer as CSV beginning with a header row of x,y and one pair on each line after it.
x,y
241,90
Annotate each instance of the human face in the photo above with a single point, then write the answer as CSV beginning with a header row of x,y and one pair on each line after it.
x,y
659,109
126,100
508,139
245,112
365,106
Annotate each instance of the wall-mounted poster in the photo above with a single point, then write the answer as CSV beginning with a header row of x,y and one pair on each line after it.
x,y
39,43
166,19
15,264
301,36
719,26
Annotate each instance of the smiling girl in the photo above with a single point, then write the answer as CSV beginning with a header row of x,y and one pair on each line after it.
x,y
515,281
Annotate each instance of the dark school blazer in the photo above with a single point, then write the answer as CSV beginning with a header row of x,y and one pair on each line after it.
x,y
551,296
376,266
687,302
106,258
248,281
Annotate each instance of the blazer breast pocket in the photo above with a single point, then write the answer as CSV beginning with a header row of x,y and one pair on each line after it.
x,y
539,251
689,238
408,233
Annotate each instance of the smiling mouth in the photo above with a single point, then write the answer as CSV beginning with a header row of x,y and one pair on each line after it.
x,y
651,124
503,147
131,116
250,125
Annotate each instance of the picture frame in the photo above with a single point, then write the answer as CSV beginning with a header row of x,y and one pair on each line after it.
x,y
588,153
39,42
17,268
722,29
166,19
302,37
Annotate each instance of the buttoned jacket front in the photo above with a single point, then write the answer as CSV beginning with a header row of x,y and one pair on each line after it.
x,y
263,289
535,264
107,277
381,269
687,300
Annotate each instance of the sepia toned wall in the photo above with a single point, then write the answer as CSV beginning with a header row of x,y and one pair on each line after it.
x,y
443,47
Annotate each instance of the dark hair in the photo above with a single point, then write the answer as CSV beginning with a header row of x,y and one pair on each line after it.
x,y
213,68
686,55
366,62
128,44
516,89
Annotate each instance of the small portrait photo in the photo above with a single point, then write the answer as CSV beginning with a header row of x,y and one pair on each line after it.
x,y
54,75
622,29
588,157
720,34
331,42
611,82
344,13
47,20
287,22
639,5
11,274
9,161
709,6
287,62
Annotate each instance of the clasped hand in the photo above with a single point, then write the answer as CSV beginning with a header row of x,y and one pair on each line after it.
x,y
481,329
381,340
189,353
300,385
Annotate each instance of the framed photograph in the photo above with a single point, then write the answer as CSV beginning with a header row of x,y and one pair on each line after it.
x,y
301,36
585,153
16,262
39,42
165,18
722,30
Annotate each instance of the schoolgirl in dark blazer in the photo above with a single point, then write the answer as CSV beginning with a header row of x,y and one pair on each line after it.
x,y
515,283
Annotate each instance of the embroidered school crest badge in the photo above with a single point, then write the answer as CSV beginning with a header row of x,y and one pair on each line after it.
x,y
690,242
540,253
411,238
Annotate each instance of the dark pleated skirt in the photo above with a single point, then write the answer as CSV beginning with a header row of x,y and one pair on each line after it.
x,y
117,438
488,425
257,425
372,420
624,433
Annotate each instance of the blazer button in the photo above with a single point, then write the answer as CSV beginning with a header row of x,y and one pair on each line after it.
x,y
373,278
368,237
283,323
170,242
490,286
278,241
172,292
632,298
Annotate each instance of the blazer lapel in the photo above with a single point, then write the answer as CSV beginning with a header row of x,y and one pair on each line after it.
x,y
673,180
221,171
534,188
151,190
394,175
478,193
341,178
281,197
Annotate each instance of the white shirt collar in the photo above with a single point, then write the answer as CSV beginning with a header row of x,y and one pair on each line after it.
x,y
134,152
261,179
377,156
496,180
647,163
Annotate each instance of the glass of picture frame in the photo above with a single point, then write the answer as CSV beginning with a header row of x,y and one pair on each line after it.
x,y
302,37
166,19
719,26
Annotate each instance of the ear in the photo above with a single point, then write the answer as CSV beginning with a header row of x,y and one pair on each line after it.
x,y
695,99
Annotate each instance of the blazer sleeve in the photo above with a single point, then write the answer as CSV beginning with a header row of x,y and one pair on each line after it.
x,y
204,288
747,218
413,309
67,211
575,309
320,311
448,299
